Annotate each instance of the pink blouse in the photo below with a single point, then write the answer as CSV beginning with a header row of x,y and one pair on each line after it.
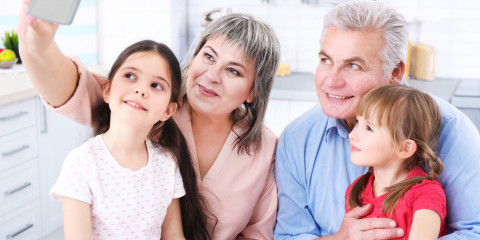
x,y
239,188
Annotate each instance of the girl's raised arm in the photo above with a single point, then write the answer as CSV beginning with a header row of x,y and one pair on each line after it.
x,y
172,224
425,225
76,219
51,73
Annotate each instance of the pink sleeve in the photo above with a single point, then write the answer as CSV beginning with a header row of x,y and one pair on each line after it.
x,y
88,94
430,196
264,215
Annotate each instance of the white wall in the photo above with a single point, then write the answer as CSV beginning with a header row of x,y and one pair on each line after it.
x,y
451,26
123,22
79,39
102,29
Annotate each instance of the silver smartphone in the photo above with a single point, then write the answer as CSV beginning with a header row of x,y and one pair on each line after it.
x,y
56,11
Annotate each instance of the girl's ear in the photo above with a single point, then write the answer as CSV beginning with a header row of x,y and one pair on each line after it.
x,y
407,149
106,90
171,109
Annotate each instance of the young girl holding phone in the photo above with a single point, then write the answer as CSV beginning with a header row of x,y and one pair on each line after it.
x,y
397,129
126,181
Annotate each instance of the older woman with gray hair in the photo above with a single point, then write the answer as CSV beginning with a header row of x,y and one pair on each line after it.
x,y
227,84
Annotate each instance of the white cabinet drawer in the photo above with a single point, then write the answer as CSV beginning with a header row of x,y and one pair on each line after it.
x,y
17,115
19,186
21,224
18,147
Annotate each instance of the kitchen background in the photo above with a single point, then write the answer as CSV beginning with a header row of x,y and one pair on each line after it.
x,y
103,28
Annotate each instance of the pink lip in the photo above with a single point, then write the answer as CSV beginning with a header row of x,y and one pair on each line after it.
x,y
354,149
207,92
135,105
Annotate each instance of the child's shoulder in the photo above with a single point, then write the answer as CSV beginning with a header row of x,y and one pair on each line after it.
x,y
88,151
428,194
427,185
425,191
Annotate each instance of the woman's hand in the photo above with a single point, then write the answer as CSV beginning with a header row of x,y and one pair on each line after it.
x,y
52,74
34,35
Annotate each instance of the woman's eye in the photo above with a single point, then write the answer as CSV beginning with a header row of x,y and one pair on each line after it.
x,y
208,58
130,76
233,72
157,86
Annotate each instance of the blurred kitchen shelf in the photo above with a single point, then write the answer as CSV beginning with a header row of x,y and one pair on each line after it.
x,y
295,86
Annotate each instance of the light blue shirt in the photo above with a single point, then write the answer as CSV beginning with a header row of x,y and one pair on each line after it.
x,y
313,170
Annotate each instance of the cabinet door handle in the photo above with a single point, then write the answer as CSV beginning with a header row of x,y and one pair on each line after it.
x,y
13,116
12,235
21,148
10,192
44,124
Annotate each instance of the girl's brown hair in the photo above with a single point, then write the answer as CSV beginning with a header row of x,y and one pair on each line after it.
x,y
194,210
407,113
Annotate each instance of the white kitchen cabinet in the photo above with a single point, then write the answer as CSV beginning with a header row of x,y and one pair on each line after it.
x,y
280,112
21,224
277,115
33,144
291,96
57,137
19,182
297,108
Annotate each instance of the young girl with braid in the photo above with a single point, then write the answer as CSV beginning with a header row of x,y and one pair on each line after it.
x,y
397,129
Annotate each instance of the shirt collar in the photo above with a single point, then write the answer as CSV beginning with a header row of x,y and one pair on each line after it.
x,y
338,126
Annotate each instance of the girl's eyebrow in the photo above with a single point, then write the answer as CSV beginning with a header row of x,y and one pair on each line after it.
x,y
371,123
132,69
161,78
231,62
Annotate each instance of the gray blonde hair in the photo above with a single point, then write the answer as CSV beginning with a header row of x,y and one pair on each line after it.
x,y
368,15
261,47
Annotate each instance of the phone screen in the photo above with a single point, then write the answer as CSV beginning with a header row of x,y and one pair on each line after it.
x,y
56,11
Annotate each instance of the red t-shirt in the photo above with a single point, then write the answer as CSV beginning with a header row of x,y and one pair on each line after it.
x,y
425,195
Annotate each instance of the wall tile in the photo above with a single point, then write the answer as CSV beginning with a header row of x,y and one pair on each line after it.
x,y
448,25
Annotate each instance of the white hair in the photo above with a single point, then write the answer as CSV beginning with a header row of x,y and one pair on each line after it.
x,y
368,15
